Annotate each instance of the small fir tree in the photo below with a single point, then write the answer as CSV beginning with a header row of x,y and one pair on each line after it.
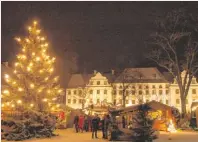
x,y
142,126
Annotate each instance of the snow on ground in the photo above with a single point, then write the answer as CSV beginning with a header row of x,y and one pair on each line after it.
x,y
69,135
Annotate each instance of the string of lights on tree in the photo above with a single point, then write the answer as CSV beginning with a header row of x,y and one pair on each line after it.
x,y
32,84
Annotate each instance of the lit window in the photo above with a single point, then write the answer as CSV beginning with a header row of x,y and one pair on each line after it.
x,y
160,92
194,91
105,82
177,91
120,92
69,92
98,91
74,91
133,92
140,92
80,92
105,91
69,101
167,92
147,92
133,101
127,101
91,91
167,102
177,101
74,101
98,82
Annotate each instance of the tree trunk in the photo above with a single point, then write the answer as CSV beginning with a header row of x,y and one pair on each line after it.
x,y
124,98
183,106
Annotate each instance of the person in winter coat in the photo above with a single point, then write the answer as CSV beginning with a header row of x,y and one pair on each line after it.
x,y
76,119
94,123
106,126
103,127
81,122
123,122
86,124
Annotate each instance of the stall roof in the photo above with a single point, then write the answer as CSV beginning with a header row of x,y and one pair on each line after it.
x,y
154,105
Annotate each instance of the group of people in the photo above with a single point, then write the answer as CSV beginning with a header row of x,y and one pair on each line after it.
x,y
93,124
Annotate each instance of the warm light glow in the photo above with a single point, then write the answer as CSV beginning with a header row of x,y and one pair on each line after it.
x,y
31,64
8,103
31,105
53,58
15,71
171,127
41,71
6,92
35,22
27,40
19,102
14,83
18,39
2,105
59,91
16,64
54,99
12,105
37,58
28,68
20,89
45,100
32,85
33,53
29,28
51,70
46,44
58,105
42,38
52,108
39,90
23,49
48,91
46,78
38,31
6,76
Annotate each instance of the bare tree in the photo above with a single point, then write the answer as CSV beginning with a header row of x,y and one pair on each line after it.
x,y
175,48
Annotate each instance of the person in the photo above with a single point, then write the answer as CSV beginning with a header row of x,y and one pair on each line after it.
x,y
103,127
86,124
123,122
76,119
98,121
81,123
94,123
106,126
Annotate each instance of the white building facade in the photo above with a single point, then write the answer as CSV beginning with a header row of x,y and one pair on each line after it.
x,y
140,84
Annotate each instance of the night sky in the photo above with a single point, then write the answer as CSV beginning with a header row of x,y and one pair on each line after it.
x,y
87,35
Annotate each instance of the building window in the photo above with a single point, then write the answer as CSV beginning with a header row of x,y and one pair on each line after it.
x,y
120,92
133,101
120,101
167,86
74,101
98,101
127,92
194,91
140,92
133,87
105,100
91,91
160,86
153,92
114,92
69,101
177,91
69,92
160,92
133,92
147,92
127,101
147,87
193,81
167,92
98,91
120,87
105,82
105,91
80,92
98,82
177,101
91,82
160,101
80,101
140,87
167,102
74,92
147,100
114,102
153,86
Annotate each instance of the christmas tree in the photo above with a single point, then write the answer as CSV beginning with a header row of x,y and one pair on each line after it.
x,y
142,130
32,84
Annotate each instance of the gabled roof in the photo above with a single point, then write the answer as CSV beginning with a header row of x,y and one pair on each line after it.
x,y
141,75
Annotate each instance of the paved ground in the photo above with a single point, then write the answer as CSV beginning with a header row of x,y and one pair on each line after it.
x,y
69,135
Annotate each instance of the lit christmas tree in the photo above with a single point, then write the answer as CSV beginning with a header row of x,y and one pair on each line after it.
x,y
32,84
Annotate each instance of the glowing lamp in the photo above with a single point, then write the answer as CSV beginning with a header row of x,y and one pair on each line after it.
x,y
31,105
33,53
28,68
8,103
2,105
51,70
45,100
58,105
171,127
20,89
6,92
19,102
59,91
16,64
6,76
32,85
18,39
12,105
15,71
35,22
14,83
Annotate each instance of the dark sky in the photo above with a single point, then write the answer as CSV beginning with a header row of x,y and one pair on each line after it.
x,y
87,35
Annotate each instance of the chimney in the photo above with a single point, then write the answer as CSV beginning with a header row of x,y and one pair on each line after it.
x,y
6,64
112,72
95,72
